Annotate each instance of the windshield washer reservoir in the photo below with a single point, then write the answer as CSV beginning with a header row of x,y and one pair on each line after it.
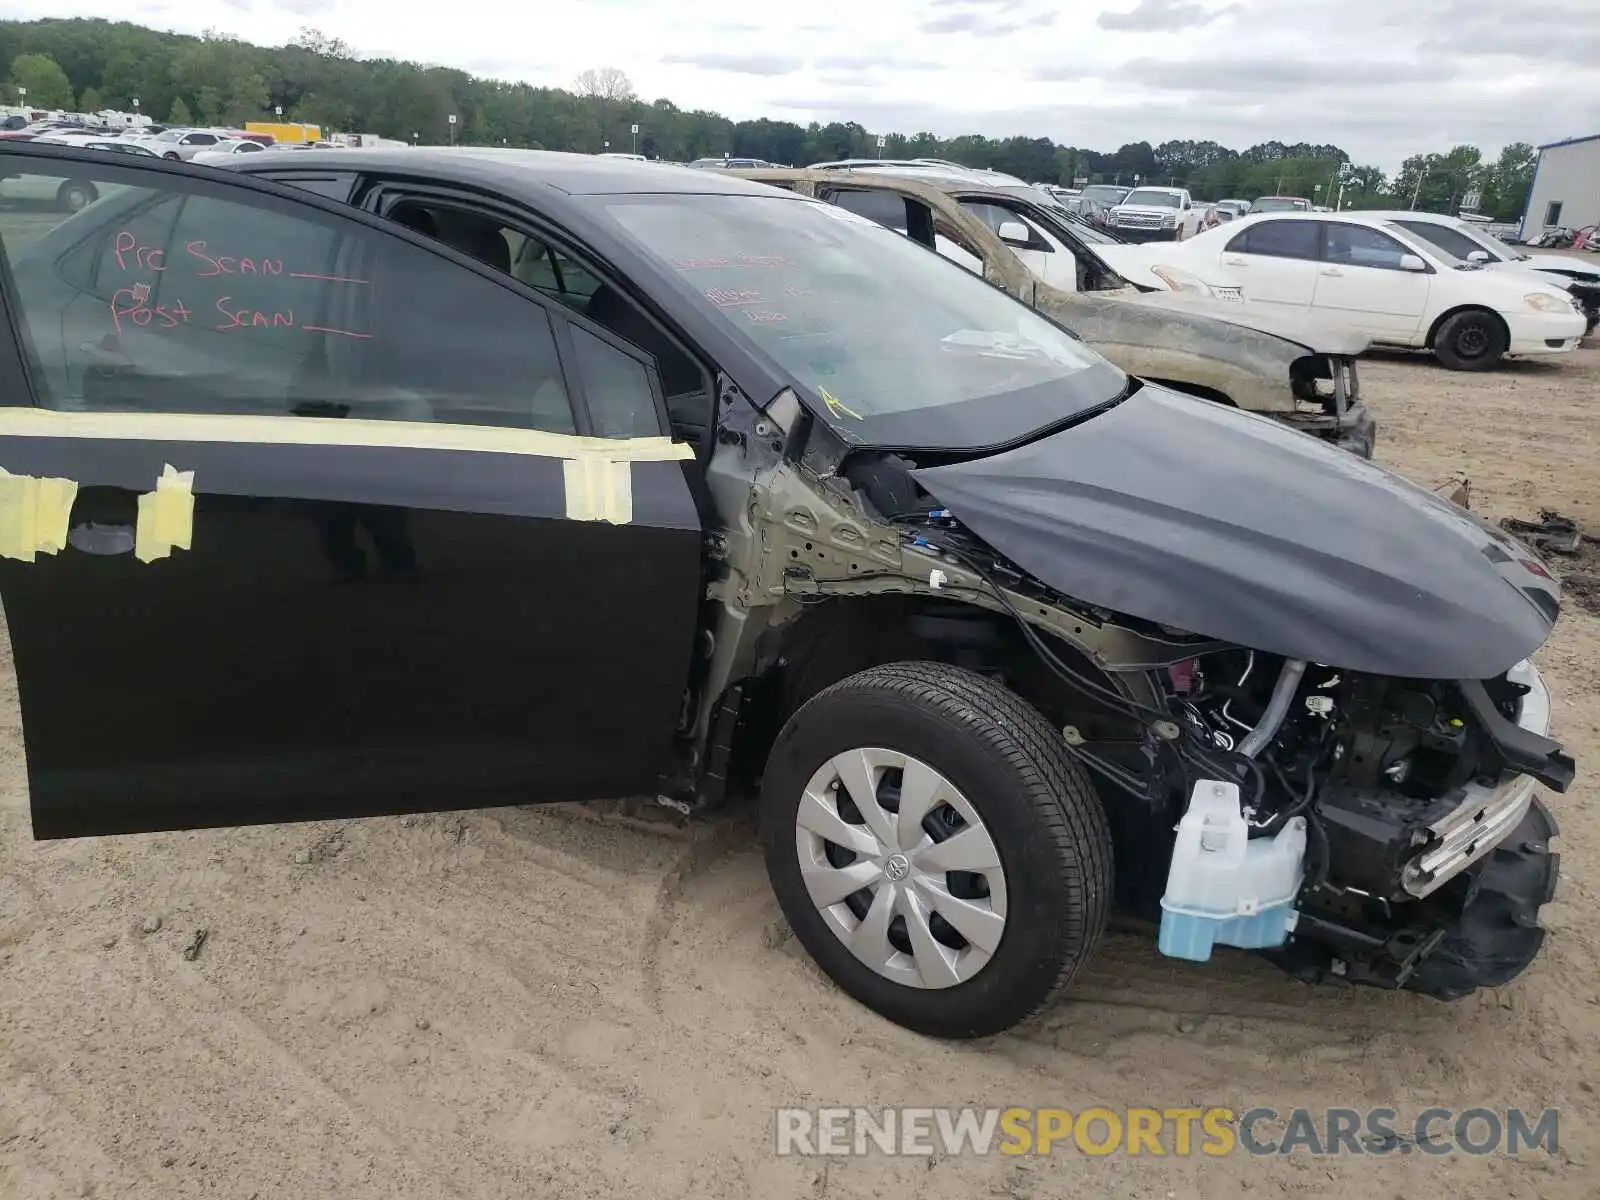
x,y
1223,887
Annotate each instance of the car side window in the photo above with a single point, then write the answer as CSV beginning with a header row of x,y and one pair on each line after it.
x,y
617,387
1360,246
558,276
1279,239
1449,240
996,215
886,208
175,295
546,269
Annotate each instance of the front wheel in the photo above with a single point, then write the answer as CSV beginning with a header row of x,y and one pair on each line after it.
x,y
75,195
935,848
1471,341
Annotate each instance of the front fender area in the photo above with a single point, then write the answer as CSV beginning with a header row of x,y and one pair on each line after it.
x,y
1250,368
1195,374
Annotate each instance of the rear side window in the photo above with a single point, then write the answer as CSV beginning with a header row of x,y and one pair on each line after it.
x,y
171,295
886,208
1279,239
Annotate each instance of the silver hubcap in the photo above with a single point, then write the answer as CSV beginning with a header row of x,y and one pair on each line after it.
x,y
901,867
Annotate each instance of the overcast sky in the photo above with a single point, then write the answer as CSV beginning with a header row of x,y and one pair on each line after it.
x,y
1382,78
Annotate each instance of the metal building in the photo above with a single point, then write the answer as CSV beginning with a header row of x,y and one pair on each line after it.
x,y
1566,186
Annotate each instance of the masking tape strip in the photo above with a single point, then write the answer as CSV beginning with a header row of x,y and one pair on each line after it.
x,y
166,516
34,514
248,429
598,490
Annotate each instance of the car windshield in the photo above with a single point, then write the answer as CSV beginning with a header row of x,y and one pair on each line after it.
x,y
170,135
1153,198
1278,204
1105,193
893,345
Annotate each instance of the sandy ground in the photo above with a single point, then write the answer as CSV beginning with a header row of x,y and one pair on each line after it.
x,y
560,1002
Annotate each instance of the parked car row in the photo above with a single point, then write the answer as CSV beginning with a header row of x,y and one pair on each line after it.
x,y
1394,277
380,481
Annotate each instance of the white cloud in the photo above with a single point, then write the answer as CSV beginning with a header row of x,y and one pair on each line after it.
x,y
1379,78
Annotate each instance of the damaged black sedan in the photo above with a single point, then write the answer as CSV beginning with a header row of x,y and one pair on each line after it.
x,y
359,482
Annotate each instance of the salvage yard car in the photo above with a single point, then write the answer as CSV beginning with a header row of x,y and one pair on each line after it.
x,y
1468,241
360,482
1165,324
1395,286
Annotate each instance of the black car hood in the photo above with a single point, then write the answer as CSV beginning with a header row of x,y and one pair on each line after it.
x,y
1230,525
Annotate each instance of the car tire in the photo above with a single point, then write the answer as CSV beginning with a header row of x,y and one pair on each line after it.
x,y
173,155
1474,340
75,194
1041,861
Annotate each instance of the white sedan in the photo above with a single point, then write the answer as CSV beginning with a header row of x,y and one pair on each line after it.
x,y
1384,280
1579,273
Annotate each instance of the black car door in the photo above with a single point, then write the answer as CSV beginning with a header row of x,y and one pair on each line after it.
x,y
303,516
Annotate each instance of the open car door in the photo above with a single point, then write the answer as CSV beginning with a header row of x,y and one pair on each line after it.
x,y
307,517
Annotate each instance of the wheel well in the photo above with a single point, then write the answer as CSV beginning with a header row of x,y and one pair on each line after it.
x,y
1439,321
1197,389
838,638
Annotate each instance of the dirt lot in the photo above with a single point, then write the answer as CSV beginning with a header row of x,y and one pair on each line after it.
x,y
559,1002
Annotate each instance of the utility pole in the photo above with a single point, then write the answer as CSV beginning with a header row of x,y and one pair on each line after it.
x,y
1417,191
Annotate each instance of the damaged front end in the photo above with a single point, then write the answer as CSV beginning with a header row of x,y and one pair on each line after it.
x,y
1345,777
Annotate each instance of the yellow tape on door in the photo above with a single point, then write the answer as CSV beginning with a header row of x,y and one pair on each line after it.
x,y
166,516
34,514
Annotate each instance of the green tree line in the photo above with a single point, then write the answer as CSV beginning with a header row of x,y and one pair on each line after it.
x,y
88,65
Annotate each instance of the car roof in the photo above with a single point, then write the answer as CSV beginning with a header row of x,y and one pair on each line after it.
x,y
919,169
1404,214
513,170
908,182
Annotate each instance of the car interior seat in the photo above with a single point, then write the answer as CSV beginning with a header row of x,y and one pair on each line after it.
x,y
475,236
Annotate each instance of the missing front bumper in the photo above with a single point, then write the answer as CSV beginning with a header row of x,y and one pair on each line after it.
x,y
1328,389
1356,431
1486,815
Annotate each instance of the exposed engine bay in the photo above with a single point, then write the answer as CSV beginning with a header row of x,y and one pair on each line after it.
x,y
1409,789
